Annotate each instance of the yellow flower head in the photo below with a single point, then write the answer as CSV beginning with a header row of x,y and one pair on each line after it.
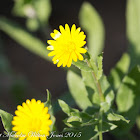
x,y
31,121
67,45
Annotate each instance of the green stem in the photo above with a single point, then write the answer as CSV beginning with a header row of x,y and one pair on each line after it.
x,y
100,126
102,99
98,85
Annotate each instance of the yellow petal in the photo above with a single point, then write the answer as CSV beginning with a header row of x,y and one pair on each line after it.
x,y
69,61
51,42
55,61
82,36
74,56
21,138
33,101
81,50
80,57
59,63
78,30
29,138
73,29
38,102
65,60
15,128
49,122
61,29
19,107
52,53
45,110
43,138
67,28
82,43
56,34
28,101
57,57
50,48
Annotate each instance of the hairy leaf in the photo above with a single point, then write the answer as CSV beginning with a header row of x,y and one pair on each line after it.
x,y
24,38
68,110
116,117
100,66
133,30
6,120
78,90
119,71
82,65
127,99
91,22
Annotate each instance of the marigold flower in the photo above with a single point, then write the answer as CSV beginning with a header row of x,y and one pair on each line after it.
x,y
67,45
31,121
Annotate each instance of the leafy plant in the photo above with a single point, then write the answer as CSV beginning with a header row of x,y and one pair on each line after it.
x,y
106,103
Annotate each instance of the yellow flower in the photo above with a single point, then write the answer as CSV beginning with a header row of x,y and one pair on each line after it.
x,y
31,121
67,45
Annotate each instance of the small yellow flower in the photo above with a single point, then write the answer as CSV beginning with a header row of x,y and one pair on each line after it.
x,y
67,45
31,121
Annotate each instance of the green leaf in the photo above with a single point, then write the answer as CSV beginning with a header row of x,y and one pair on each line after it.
x,y
6,120
73,119
67,97
78,90
51,112
80,119
105,106
85,117
128,97
95,137
39,10
82,65
108,126
94,66
100,66
84,133
133,30
91,88
18,8
107,90
50,108
128,91
11,138
76,122
119,71
43,10
108,94
68,110
32,24
116,117
76,118
48,102
92,91
91,22
24,38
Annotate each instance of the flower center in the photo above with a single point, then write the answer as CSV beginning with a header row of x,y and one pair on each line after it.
x,y
70,47
35,124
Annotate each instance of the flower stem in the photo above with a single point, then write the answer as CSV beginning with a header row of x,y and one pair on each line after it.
x,y
98,85
102,99
100,126
99,88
